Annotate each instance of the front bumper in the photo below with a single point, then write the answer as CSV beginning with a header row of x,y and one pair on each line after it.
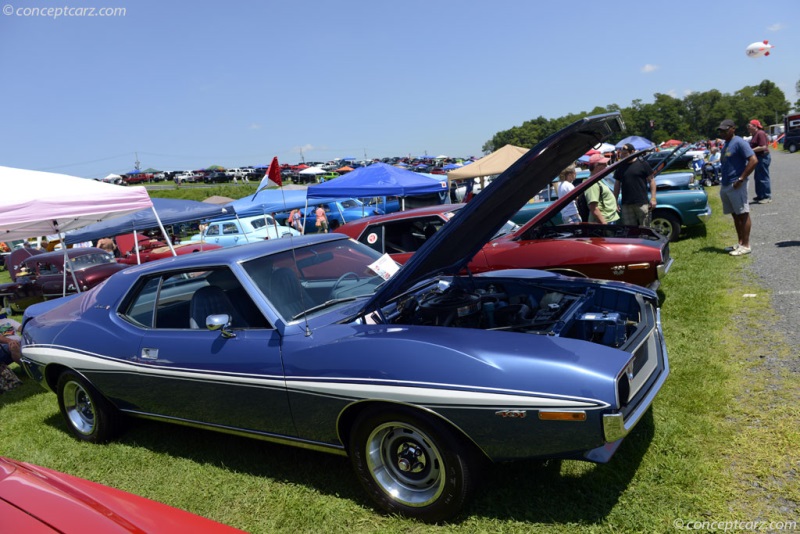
x,y
616,425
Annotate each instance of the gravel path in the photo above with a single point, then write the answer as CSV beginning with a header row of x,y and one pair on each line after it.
x,y
775,239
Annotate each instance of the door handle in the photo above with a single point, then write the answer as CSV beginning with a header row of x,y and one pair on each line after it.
x,y
149,354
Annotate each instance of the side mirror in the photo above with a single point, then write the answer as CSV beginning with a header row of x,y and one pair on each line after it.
x,y
221,322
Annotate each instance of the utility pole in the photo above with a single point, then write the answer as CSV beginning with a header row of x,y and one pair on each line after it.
x,y
136,163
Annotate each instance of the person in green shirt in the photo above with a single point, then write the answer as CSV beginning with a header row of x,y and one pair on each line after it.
x,y
599,197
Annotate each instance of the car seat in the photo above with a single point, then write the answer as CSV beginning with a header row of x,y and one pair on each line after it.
x,y
287,294
210,300
429,231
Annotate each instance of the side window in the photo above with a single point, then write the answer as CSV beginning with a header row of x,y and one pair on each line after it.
x,y
141,310
409,235
229,228
184,301
213,230
373,237
47,268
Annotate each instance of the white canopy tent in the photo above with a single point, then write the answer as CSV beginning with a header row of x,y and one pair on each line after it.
x,y
36,203
312,170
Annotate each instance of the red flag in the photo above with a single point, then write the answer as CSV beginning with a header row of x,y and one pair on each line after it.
x,y
274,172
273,175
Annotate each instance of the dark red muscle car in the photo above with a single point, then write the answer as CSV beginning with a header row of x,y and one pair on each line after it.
x,y
41,276
637,255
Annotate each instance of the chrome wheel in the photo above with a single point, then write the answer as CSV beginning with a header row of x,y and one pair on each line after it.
x,y
78,408
405,464
666,224
412,463
89,416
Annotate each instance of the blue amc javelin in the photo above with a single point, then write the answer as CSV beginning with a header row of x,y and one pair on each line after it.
x,y
420,374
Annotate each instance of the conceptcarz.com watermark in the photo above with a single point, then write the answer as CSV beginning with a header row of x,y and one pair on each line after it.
x,y
55,12
733,526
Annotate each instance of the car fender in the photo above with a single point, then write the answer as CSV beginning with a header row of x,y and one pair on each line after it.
x,y
467,379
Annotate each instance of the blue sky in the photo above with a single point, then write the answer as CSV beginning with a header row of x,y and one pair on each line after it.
x,y
188,85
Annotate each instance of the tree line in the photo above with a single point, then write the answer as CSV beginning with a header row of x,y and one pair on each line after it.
x,y
695,117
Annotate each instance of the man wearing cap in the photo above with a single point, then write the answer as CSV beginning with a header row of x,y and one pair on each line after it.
x,y
601,201
634,178
738,161
760,145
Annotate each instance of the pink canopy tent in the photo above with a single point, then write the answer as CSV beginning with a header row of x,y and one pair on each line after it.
x,y
36,203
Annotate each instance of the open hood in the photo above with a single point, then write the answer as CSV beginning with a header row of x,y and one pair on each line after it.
x,y
452,247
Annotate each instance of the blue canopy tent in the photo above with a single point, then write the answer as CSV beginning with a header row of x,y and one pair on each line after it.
x,y
639,143
168,210
378,180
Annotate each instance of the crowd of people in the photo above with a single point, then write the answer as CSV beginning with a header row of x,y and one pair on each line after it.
x,y
635,184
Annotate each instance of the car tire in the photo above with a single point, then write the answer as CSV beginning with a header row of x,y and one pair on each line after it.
x,y
89,416
666,224
411,464
792,148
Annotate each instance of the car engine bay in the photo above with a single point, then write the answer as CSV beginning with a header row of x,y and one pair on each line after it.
x,y
587,311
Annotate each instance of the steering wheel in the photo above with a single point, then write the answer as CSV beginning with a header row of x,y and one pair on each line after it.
x,y
341,279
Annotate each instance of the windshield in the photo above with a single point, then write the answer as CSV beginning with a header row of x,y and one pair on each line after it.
x,y
318,276
507,228
352,203
88,260
261,221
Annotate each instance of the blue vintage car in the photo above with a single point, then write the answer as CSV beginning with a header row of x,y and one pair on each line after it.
x,y
242,230
338,211
419,374
679,204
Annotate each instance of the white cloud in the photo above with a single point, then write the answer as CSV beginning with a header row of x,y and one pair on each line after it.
x,y
649,68
254,126
776,27
304,148
673,93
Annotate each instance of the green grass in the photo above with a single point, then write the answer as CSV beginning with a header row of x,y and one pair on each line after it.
x,y
720,444
200,192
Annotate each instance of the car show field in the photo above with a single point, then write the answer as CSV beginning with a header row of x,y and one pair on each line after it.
x,y
657,463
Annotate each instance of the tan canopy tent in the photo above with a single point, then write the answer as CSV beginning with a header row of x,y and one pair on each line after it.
x,y
495,163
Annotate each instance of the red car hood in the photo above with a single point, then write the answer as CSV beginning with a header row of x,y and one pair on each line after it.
x,y
36,499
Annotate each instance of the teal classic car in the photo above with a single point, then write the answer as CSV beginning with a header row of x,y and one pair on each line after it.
x,y
677,207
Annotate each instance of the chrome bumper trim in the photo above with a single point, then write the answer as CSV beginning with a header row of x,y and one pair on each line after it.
x,y
615,427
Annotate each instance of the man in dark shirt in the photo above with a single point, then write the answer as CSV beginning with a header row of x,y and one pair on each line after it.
x,y
633,179
738,161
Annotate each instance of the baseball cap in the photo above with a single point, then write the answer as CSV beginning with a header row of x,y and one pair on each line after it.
x,y
756,123
597,158
726,124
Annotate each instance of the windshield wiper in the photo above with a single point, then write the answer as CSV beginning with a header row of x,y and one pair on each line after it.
x,y
323,306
